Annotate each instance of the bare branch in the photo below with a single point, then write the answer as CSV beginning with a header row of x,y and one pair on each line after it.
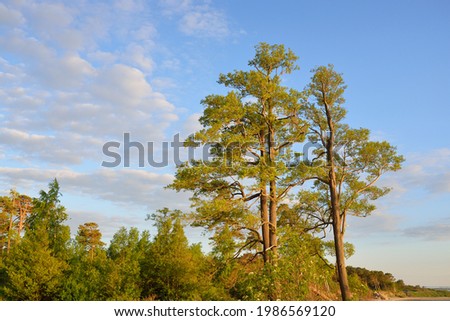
x,y
249,198
287,189
249,243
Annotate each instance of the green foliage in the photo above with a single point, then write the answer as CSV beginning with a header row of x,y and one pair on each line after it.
x,y
45,221
375,280
349,248
171,266
127,250
33,273
303,271
346,164
34,269
358,162
87,276
254,282
89,267
360,290
6,214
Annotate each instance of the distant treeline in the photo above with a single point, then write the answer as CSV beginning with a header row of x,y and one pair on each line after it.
x,y
378,281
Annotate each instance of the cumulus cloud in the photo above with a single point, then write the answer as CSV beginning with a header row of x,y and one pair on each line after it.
x,y
66,72
17,43
47,17
75,98
32,143
75,75
136,56
122,85
10,17
55,24
42,65
126,187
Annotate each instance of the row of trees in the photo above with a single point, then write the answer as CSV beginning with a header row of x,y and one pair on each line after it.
x,y
45,263
42,261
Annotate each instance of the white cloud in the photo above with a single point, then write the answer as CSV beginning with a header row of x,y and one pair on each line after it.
x,y
191,124
204,24
16,136
55,23
126,187
102,57
138,57
45,17
118,100
67,72
19,44
197,18
77,100
75,75
30,148
42,65
121,84
24,144
10,17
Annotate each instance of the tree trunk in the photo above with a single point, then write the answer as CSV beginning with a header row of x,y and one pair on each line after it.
x,y
8,247
276,290
23,211
273,200
273,221
338,231
340,263
338,238
265,223
264,208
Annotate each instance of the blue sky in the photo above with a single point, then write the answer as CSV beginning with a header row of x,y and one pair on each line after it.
x,y
74,75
